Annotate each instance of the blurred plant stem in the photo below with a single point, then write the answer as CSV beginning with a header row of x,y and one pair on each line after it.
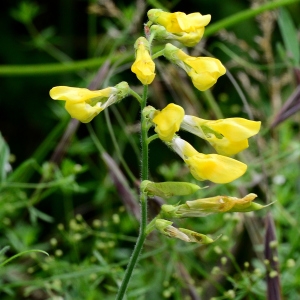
x,y
244,15
213,104
55,68
143,201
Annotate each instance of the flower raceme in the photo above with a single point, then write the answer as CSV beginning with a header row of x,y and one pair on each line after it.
x,y
228,136
167,121
213,205
204,71
143,66
188,29
83,104
213,167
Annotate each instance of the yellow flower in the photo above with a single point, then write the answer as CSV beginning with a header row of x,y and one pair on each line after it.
x,y
204,71
187,29
179,22
83,104
212,205
213,167
143,66
168,121
228,136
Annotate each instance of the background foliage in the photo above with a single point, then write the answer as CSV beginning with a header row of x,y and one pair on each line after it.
x,y
76,206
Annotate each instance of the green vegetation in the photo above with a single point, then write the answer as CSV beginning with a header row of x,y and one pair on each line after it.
x,y
69,192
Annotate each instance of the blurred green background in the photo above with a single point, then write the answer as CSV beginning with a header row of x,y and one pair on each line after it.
x,y
75,209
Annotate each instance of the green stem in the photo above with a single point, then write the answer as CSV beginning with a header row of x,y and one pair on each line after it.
x,y
151,138
144,136
54,68
135,95
158,54
143,199
151,225
244,15
117,148
213,104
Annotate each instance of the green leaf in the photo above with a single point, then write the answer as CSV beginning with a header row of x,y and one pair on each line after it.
x,y
289,36
4,156
22,253
4,250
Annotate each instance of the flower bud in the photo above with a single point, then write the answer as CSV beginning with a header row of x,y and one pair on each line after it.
x,y
143,66
168,189
212,205
167,121
166,228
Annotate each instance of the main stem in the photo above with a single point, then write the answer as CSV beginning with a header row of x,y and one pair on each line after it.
x,y
143,199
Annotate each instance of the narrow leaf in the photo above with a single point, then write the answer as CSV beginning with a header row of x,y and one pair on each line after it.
x,y
289,35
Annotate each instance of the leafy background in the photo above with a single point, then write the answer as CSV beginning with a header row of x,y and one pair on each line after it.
x,y
75,207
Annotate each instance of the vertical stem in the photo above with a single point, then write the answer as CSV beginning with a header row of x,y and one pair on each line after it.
x,y
144,136
143,200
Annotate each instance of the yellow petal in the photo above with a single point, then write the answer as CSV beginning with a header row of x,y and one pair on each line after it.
x,y
168,121
235,129
204,71
83,111
226,147
143,66
216,168
206,64
199,20
190,39
75,95
178,22
202,81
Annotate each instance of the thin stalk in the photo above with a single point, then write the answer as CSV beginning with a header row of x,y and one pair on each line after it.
x,y
151,225
55,68
158,54
117,148
152,138
135,95
213,104
143,199
244,15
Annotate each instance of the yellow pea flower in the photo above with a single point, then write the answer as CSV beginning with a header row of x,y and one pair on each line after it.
x,y
206,206
228,136
204,71
167,121
143,66
189,39
179,22
213,167
83,104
